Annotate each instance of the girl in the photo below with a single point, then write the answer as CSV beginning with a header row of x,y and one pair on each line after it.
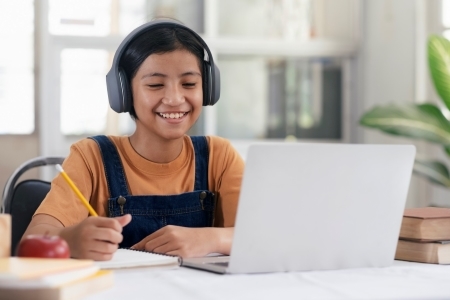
x,y
158,189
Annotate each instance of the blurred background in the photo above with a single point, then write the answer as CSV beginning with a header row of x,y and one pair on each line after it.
x,y
291,70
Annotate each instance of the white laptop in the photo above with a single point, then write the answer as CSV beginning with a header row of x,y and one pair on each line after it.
x,y
317,207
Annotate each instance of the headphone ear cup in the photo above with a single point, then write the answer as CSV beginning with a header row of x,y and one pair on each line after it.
x,y
127,98
211,84
215,85
206,84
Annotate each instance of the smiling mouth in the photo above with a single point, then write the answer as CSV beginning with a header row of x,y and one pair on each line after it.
x,y
172,115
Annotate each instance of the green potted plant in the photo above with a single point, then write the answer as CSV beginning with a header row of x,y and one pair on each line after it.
x,y
422,121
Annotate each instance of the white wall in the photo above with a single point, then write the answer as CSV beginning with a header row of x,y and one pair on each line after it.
x,y
386,71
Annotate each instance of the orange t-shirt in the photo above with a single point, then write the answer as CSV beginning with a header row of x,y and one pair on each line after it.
x,y
84,166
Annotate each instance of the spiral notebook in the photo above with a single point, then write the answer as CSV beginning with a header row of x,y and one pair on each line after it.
x,y
129,258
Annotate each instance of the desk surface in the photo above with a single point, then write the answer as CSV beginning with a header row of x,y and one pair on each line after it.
x,y
403,280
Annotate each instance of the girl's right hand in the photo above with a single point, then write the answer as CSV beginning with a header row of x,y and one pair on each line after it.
x,y
95,238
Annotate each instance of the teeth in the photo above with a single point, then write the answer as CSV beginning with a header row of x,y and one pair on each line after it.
x,y
172,115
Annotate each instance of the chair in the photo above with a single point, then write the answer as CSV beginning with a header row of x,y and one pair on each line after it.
x,y
21,200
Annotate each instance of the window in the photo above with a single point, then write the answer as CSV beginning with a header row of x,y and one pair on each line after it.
x,y
284,66
84,103
446,18
80,17
17,67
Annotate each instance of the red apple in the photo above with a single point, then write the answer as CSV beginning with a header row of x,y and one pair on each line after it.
x,y
43,246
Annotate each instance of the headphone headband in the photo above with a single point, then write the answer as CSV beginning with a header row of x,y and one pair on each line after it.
x,y
119,91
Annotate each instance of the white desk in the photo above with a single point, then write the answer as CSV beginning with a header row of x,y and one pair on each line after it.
x,y
403,280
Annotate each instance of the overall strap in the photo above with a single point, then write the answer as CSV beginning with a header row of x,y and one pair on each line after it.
x,y
115,175
201,151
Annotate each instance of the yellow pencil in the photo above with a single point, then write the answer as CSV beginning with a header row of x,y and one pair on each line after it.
x,y
77,191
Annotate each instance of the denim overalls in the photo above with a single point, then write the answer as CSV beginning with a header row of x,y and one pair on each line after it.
x,y
152,212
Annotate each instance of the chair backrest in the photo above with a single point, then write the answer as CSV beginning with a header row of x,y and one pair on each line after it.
x,y
21,200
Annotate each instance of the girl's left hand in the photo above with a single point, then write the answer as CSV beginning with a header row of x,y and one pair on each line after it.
x,y
187,242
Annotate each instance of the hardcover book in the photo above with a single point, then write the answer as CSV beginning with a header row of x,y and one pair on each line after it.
x,y
14,269
76,289
425,252
426,224
46,278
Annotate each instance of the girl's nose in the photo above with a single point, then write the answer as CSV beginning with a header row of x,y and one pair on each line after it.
x,y
173,96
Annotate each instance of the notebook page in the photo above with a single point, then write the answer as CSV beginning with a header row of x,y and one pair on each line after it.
x,y
127,258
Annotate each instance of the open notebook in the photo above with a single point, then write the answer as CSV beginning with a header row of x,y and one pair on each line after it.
x,y
128,258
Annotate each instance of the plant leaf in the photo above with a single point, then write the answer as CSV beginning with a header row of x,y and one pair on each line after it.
x,y
424,121
447,150
434,171
439,63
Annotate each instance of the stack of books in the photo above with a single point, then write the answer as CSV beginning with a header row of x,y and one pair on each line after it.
x,y
44,278
425,236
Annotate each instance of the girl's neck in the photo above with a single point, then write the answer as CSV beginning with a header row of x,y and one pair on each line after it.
x,y
154,149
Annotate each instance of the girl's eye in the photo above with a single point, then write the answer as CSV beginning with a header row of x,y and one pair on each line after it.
x,y
155,85
189,84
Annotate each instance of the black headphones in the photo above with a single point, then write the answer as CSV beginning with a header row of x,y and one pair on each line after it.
x,y
119,91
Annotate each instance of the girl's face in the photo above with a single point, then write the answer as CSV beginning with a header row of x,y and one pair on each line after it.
x,y
167,94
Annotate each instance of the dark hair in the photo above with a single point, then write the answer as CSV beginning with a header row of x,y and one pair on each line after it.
x,y
158,40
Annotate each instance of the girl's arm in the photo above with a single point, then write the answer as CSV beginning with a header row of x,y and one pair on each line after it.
x,y
94,238
188,242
